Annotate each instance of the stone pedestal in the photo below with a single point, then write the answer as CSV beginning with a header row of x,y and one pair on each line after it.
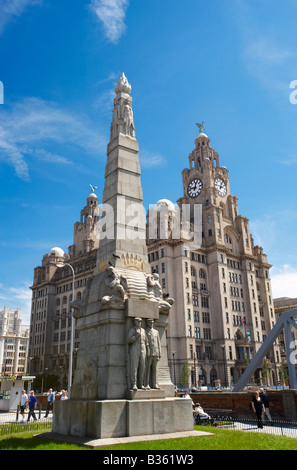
x,y
145,394
122,418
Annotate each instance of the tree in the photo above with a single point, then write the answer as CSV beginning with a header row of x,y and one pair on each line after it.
x,y
185,375
46,382
266,367
283,372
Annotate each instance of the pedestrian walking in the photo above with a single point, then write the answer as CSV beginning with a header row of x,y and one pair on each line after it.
x,y
24,400
49,402
265,400
258,407
32,405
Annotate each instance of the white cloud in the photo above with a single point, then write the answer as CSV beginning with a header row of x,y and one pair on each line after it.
x,y
104,101
266,54
275,232
265,232
150,159
11,9
112,15
284,281
9,150
263,49
289,160
266,61
17,297
31,127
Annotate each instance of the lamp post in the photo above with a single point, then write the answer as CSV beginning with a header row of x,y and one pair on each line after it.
x,y
224,361
174,378
195,382
61,265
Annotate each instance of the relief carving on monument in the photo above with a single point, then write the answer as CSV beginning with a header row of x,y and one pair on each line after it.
x,y
155,293
122,120
144,353
137,346
116,286
153,355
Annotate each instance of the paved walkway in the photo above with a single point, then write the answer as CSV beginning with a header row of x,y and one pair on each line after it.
x,y
10,417
274,429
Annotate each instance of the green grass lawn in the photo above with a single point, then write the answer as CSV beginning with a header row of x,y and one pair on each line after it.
x,y
223,439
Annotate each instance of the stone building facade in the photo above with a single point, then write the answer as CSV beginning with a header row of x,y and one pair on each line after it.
x,y
220,282
224,305
50,326
14,341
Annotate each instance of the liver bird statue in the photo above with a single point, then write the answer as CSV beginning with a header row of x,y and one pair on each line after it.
x,y
201,126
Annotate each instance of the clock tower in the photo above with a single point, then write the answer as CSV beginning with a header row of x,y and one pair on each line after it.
x,y
205,182
224,307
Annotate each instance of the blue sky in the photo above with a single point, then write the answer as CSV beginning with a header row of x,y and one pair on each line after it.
x,y
228,63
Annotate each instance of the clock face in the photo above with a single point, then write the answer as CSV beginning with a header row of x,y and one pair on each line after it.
x,y
220,186
195,187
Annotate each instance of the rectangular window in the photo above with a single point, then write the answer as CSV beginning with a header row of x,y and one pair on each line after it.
x,y
205,317
204,301
206,333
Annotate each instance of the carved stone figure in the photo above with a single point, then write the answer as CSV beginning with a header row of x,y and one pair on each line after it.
x,y
123,122
116,285
153,355
138,343
154,286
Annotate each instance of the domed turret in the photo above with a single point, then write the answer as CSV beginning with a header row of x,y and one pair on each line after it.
x,y
58,252
164,203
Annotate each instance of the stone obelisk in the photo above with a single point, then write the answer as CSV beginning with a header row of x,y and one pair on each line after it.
x,y
122,376
122,228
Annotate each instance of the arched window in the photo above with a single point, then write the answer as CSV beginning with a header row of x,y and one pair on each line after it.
x,y
238,336
228,239
213,377
202,274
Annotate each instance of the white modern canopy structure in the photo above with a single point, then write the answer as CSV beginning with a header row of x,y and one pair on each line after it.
x,y
285,322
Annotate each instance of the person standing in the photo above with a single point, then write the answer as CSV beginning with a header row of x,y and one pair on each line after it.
x,y
258,407
32,405
265,400
24,400
50,402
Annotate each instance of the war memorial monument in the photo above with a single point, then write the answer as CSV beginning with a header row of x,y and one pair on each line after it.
x,y
121,385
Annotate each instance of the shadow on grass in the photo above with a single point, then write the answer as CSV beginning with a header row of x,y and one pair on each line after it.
x,y
31,443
